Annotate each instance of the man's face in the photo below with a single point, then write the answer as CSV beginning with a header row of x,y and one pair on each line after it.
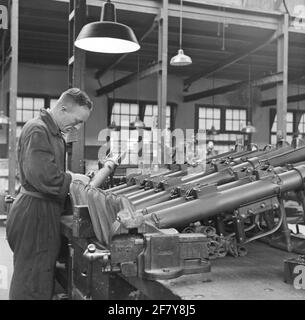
x,y
71,118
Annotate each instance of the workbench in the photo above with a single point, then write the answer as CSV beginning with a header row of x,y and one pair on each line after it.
x,y
258,276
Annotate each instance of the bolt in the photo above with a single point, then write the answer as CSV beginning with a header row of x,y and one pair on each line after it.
x,y
263,206
250,211
275,206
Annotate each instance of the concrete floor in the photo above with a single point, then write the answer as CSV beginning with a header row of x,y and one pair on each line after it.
x,y
6,264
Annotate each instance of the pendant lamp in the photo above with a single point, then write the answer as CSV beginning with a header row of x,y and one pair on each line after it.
x,y
249,128
181,60
107,36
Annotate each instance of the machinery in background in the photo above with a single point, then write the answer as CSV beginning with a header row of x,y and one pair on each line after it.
x,y
170,224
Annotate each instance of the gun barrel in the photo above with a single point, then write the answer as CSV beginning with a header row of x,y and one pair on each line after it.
x,y
228,200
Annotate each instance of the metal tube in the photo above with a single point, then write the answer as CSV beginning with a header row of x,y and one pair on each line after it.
x,y
117,188
162,206
227,200
126,190
159,197
275,160
101,176
142,194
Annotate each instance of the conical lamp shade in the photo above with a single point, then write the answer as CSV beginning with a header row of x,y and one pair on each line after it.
x,y
107,36
249,128
180,59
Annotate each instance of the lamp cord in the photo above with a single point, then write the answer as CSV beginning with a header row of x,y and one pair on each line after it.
x,y
2,68
250,94
181,5
138,78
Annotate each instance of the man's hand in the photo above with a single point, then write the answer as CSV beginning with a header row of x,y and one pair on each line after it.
x,y
80,177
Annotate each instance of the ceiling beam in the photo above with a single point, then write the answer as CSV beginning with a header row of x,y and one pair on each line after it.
x,y
99,73
272,102
228,62
128,79
275,78
195,11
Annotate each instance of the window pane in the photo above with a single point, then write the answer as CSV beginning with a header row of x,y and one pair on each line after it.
x,y
202,124
202,112
27,103
148,109
19,103
209,113
148,120
125,120
168,123
36,113
168,111
116,108
229,114
19,115
235,114
243,115
27,115
115,119
124,108
289,117
38,103
52,102
155,110
217,124
209,124
229,125
134,109
216,114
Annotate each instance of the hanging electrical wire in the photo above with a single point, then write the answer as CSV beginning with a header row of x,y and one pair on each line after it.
x,y
286,7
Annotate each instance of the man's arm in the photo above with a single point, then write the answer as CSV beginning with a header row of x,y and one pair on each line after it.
x,y
40,168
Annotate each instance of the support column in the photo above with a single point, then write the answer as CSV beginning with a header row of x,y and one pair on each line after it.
x,y
77,67
162,75
13,91
282,87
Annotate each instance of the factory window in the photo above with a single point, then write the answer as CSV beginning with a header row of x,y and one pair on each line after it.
x,y
222,125
122,114
28,107
289,128
235,119
151,116
301,127
208,118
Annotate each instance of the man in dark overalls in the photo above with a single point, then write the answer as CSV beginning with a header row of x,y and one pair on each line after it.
x,y
33,222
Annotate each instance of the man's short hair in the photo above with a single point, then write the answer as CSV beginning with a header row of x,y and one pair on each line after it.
x,y
78,96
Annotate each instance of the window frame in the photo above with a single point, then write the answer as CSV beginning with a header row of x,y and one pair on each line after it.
x,y
222,130
47,100
142,104
296,118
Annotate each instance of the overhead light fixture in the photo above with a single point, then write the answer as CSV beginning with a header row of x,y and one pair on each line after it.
x,y
107,36
212,131
248,129
180,60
